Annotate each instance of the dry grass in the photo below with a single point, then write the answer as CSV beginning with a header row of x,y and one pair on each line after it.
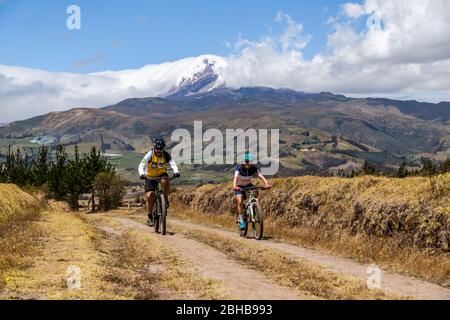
x,y
381,251
19,234
13,201
395,223
128,266
66,242
142,268
299,274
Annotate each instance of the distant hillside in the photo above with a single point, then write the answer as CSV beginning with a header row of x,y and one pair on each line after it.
x,y
82,126
146,107
422,110
341,132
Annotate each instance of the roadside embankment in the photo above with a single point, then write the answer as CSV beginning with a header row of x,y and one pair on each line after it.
x,y
18,233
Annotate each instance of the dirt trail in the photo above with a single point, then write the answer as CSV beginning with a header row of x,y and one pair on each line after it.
x,y
241,283
390,282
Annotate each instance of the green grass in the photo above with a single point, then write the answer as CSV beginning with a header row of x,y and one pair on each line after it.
x,y
15,143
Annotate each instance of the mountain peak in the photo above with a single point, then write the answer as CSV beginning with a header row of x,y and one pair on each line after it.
x,y
202,76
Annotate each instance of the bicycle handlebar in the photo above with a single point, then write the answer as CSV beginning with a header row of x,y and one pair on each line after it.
x,y
160,178
253,188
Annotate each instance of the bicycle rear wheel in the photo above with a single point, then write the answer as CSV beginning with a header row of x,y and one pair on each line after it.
x,y
258,221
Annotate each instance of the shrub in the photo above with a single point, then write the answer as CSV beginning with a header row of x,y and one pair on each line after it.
x,y
110,190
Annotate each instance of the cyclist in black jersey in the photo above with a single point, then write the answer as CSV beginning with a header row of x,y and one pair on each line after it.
x,y
243,177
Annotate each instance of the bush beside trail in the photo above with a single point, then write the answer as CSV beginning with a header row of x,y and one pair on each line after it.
x,y
404,210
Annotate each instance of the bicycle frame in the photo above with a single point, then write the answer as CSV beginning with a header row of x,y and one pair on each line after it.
x,y
159,212
251,199
159,188
248,204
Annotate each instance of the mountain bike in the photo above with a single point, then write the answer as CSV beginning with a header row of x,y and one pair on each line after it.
x,y
253,213
159,213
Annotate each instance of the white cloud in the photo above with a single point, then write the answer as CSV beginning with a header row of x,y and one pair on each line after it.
x,y
292,37
28,92
415,31
353,10
409,54
408,57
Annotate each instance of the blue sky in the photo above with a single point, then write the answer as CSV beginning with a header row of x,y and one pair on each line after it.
x,y
308,46
119,34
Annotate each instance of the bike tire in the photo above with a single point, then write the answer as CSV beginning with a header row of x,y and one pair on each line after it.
x,y
258,221
157,205
162,218
245,231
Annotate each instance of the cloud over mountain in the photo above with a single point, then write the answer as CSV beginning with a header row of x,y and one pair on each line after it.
x,y
405,55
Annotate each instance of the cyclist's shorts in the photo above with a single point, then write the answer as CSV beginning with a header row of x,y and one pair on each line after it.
x,y
243,193
150,185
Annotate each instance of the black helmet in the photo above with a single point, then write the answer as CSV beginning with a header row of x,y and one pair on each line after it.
x,y
159,144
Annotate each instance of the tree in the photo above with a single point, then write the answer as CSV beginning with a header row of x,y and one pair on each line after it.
x,y
6,167
94,164
429,168
16,168
2,173
110,190
56,184
40,167
75,180
434,174
403,170
368,168
446,166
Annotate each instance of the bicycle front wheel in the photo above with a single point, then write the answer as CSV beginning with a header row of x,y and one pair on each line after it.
x,y
157,216
162,218
258,221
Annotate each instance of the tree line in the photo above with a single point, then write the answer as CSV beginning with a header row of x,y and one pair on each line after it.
x,y
429,168
65,178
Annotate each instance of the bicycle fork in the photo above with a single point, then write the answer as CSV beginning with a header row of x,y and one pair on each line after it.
x,y
250,213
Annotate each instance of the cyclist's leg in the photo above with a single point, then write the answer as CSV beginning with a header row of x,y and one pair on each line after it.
x,y
150,195
165,182
240,215
239,203
244,193
150,200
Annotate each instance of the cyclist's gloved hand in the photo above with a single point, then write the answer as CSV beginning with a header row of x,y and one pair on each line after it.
x,y
237,188
176,175
142,177
268,187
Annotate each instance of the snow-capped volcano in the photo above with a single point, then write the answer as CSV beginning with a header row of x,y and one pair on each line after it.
x,y
29,92
181,77
205,78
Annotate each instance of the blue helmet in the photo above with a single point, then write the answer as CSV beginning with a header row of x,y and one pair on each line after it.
x,y
248,156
